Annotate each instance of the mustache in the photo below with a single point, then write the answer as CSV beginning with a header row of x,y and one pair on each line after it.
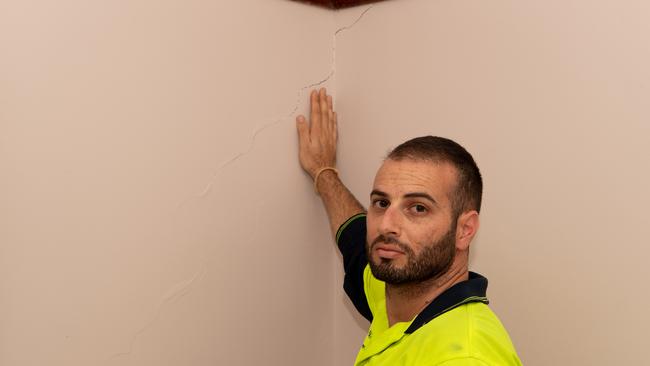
x,y
390,240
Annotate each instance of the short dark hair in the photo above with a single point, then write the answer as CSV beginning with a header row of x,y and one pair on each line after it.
x,y
469,184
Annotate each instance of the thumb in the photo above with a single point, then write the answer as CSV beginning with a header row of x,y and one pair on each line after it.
x,y
303,129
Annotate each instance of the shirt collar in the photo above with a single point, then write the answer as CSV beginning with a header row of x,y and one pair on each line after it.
x,y
472,290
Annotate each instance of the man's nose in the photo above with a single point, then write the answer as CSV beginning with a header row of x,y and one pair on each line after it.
x,y
390,224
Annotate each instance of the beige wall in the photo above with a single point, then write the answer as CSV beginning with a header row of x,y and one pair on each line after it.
x,y
552,99
152,211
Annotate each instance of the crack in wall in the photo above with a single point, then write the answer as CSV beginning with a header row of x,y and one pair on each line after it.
x,y
176,292
299,101
182,288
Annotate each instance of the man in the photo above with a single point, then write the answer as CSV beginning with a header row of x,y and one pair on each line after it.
x,y
406,259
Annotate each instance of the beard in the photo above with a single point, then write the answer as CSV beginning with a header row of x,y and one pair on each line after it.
x,y
434,260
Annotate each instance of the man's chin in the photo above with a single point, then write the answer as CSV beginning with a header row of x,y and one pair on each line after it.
x,y
384,268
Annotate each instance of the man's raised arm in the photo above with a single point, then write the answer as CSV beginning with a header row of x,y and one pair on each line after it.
x,y
317,140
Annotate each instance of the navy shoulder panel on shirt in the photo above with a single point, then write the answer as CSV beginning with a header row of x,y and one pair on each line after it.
x,y
351,240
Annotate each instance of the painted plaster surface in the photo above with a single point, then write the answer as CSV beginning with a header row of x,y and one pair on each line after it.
x,y
153,212
551,98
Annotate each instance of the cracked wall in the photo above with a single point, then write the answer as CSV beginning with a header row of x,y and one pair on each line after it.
x,y
153,209
154,213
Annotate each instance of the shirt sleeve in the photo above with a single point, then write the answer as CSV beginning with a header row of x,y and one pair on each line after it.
x,y
351,240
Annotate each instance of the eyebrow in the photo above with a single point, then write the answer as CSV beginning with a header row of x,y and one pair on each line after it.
x,y
376,192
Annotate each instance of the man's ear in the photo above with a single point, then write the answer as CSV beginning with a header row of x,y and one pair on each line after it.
x,y
466,228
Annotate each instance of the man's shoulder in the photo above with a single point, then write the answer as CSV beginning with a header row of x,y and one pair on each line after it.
x,y
468,333
472,318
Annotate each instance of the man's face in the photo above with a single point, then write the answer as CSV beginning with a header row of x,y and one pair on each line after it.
x,y
411,231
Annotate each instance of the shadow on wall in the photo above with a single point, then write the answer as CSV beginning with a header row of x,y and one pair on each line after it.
x,y
359,320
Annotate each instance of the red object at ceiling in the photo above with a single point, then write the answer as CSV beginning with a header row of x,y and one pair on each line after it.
x,y
338,4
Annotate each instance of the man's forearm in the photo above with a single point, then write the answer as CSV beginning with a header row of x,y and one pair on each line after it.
x,y
339,202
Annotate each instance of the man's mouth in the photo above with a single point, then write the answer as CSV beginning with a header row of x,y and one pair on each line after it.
x,y
388,251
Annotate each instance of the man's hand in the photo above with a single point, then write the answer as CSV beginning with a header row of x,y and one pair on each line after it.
x,y
318,150
318,137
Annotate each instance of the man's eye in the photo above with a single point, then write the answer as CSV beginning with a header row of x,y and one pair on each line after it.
x,y
419,208
381,203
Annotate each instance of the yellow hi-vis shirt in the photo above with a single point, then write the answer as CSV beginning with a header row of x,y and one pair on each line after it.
x,y
456,329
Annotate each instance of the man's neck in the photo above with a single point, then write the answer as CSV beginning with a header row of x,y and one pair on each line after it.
x,y
404,302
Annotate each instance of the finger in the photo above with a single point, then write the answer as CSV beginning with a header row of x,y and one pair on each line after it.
x,y
315,114
303,130
335,125
323,103
330,112
326,121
